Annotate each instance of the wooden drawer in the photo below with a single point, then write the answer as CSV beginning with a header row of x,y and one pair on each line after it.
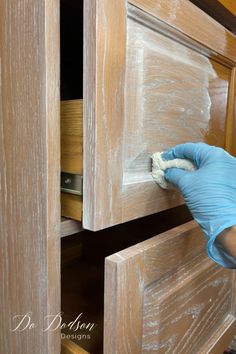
x,y
72,153
165,296
151,80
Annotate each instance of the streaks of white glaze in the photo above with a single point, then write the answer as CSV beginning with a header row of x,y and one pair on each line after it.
x,y
159,166
167,98
172,8
187,315
137,177
168,345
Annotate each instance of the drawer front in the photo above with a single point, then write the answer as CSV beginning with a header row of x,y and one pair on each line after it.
x,y
152,80
165,295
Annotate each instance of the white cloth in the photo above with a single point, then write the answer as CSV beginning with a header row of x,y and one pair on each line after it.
x,y
159,166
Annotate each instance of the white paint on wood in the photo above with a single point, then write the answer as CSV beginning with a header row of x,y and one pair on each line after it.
x,y
167,98
107,200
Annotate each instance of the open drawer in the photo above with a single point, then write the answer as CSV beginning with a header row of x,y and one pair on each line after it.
x,y
151,80
165,295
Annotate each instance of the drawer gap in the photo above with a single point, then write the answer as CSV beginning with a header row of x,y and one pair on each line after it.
x,y
71,35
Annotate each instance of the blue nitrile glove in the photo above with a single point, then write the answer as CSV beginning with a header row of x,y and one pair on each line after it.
x,y
209,192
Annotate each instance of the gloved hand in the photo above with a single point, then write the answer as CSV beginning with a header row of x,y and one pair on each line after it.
x,y
209,192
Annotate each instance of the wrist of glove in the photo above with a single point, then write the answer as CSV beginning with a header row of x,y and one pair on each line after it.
x,y
209,192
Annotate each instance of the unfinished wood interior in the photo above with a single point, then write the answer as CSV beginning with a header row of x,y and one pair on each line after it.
x,y
71,100
72,153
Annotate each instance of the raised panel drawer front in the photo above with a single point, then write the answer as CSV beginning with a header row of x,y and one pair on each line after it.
x,y
164,295
156,73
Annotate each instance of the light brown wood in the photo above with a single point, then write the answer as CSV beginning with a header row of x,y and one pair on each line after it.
x,y
152,80
218,92
166,295
104,55
29,174
70,227
72,136
71,206
221,338
72,153
229,5
181,14
69,347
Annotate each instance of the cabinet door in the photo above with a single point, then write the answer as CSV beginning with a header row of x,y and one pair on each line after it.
x,y
157,73
165,295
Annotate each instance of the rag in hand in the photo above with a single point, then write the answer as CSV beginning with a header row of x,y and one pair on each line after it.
x,y
159,166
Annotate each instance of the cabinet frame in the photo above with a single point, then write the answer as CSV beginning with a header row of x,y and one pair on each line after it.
x,y
29,173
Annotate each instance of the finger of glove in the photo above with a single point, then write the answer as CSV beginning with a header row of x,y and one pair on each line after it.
x,y
193,151
176,176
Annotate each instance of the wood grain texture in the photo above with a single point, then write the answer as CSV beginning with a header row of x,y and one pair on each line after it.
x,y
72,206
138,93
69,347
72,153
167,98
220,117
167,289
29,173
181,14
173,95
104,55
72,136
221,338
183,309
70,227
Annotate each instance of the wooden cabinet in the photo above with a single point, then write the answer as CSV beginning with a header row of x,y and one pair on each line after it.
x,y
155,73
165,295
151,80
